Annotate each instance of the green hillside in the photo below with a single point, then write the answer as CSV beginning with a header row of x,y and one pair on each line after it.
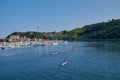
x,y
103,30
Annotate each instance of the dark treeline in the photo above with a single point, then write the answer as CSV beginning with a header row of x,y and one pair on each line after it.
x,y
103,30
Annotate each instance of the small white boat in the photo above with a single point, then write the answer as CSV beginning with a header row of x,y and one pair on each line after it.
x,y
65,42
55,43
54,53
64,63
38,44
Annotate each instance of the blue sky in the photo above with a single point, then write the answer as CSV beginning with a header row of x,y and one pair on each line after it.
x,y
54,15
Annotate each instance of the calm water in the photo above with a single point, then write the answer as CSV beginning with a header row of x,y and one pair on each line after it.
x,y
96,60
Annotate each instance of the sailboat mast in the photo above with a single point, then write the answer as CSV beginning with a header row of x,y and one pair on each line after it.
x,y
37,33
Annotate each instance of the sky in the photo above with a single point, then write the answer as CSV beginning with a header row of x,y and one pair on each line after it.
x,y
54,15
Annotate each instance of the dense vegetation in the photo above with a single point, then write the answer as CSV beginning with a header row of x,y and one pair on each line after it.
x,y
103,30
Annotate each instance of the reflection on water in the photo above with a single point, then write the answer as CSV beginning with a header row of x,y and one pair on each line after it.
x,y
94,60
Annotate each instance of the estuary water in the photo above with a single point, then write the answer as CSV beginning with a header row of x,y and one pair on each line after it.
x,y
86,60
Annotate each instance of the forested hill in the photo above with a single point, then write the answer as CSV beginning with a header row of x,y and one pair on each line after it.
x,y
103,30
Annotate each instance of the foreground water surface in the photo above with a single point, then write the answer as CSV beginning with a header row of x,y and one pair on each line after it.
x,y
89,60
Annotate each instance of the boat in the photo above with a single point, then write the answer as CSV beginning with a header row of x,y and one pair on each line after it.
x,y
64,63
54,53
3,48
55,43
39,44
65,42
